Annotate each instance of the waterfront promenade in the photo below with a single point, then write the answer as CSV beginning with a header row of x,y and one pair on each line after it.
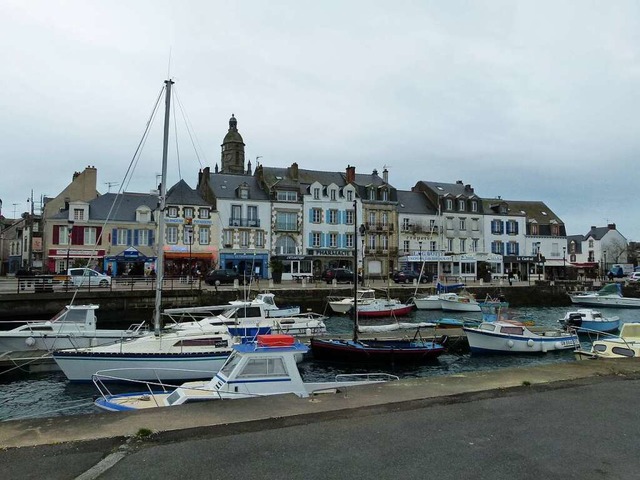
x,y
572,420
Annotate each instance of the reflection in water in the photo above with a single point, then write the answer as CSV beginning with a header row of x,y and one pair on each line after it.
x,y
50,394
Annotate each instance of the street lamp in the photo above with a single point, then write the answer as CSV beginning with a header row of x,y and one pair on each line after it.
x,y
69,230
564,262
188,228
363,231
420,249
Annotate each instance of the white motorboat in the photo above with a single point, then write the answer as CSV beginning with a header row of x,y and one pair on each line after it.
x,y
503,336
370,306
608,296
72,327
256,369
589,319
459,302
270,307
427,302
246,320
624,345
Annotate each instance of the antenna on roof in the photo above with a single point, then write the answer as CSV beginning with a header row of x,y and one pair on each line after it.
x,y
111,184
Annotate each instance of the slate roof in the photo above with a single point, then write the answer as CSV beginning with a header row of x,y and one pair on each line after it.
x,y
452,189
225,185
182,194
414,203
534,210
124,209
597,233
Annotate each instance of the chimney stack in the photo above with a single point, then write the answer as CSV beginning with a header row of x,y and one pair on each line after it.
x,y
351,174
611,226
293,172
385,175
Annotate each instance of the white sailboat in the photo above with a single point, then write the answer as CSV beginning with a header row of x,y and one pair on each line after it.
x,y
179,355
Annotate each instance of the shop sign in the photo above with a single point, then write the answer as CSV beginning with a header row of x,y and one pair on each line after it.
x,y
325,252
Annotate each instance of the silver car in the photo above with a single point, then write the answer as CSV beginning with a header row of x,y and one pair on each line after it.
x,y
86,277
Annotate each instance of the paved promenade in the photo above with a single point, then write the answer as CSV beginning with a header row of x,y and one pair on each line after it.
x,y
109,445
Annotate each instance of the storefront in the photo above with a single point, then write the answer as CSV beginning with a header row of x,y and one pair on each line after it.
x,y
436,264
324,258
180,260
129,262
296,266
248,262
61,259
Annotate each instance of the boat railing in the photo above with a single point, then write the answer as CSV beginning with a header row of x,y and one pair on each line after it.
x,y
376,377
595,335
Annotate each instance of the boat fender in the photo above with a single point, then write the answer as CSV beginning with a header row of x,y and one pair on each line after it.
x,y
510,343
558,345
30,341
530,342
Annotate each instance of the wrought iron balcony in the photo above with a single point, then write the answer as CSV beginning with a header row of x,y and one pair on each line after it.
x,y
244,222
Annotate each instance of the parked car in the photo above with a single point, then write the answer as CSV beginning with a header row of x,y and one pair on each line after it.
x,y
408,276
223,275
87,277
634,277
339,275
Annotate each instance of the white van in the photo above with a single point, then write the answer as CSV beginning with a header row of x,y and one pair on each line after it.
x,y
86,277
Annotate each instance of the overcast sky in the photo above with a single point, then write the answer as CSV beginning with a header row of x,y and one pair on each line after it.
x,y
527,100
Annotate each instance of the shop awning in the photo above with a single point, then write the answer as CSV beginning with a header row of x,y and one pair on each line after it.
x,y
200,255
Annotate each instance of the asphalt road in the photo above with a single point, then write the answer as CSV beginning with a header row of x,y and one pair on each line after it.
x,y
587,429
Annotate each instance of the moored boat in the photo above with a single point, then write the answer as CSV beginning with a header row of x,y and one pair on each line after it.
x,y
502,336
608,296
270,307
624,345
590,320
262,368
462,302
370,306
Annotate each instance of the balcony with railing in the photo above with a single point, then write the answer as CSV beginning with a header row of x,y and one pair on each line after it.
x,y
379,227
244,222
286,227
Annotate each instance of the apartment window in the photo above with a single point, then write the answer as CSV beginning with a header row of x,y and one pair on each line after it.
x,y
372,194
463,224
288,196
433,245
78,214
333,194
385,219
449,223
385,195
474,206
204,213
349,219
65,236
384,240
287,221
332,217
333,240
172,235
463,245
405,246
513,248
172,212
512,227
259,238
252,216
474,244
315,239
405,224
555,230
236,215
316,193
349,240
121,236
497,247
89,236
188,212
350,195
227,238
244,238
432,225
448,204
188,235
372,218
497,227
316,215
534,229
371,243
461,206
143,237
449,244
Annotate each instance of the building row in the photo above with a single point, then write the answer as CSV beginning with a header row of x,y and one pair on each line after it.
x,y
309,220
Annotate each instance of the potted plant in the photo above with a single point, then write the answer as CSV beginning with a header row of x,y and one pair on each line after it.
x,y
276,266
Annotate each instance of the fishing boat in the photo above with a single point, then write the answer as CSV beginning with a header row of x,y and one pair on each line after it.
x,y
590,320
370,306
270,307
72,327
184,354
608,296
406,350
257,369
624,345
504,336
463,302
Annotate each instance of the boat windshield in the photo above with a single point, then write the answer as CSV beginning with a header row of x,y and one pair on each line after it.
x,y
230,364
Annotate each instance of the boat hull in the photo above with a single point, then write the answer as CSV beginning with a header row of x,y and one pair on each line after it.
x,y
428,303
341,306
489,342
80,367
605,301
393,351
34,341
385,312
456,306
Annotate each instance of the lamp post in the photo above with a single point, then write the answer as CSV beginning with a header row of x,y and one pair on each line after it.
x,y
188,228
564,262
363,231
420,250
69,236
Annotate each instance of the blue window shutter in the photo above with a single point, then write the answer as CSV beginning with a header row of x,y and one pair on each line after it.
x,y
151,237
135,237
114,236
516,228
311,239
129,242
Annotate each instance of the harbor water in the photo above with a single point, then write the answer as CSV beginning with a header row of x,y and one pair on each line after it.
x,y
51,394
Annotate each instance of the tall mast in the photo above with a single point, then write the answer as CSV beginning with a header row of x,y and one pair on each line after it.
x,y
161,208
355,271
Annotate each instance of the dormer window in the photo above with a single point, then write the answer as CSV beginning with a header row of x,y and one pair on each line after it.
x,y
372,194
385,195
143,214
350,195
461,205
316,193
78,214
333,194
448,204
204,213
243,192
188,212
474,206
503,209
172,212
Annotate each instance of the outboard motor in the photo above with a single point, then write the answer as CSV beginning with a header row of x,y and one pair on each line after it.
x,y
574,321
